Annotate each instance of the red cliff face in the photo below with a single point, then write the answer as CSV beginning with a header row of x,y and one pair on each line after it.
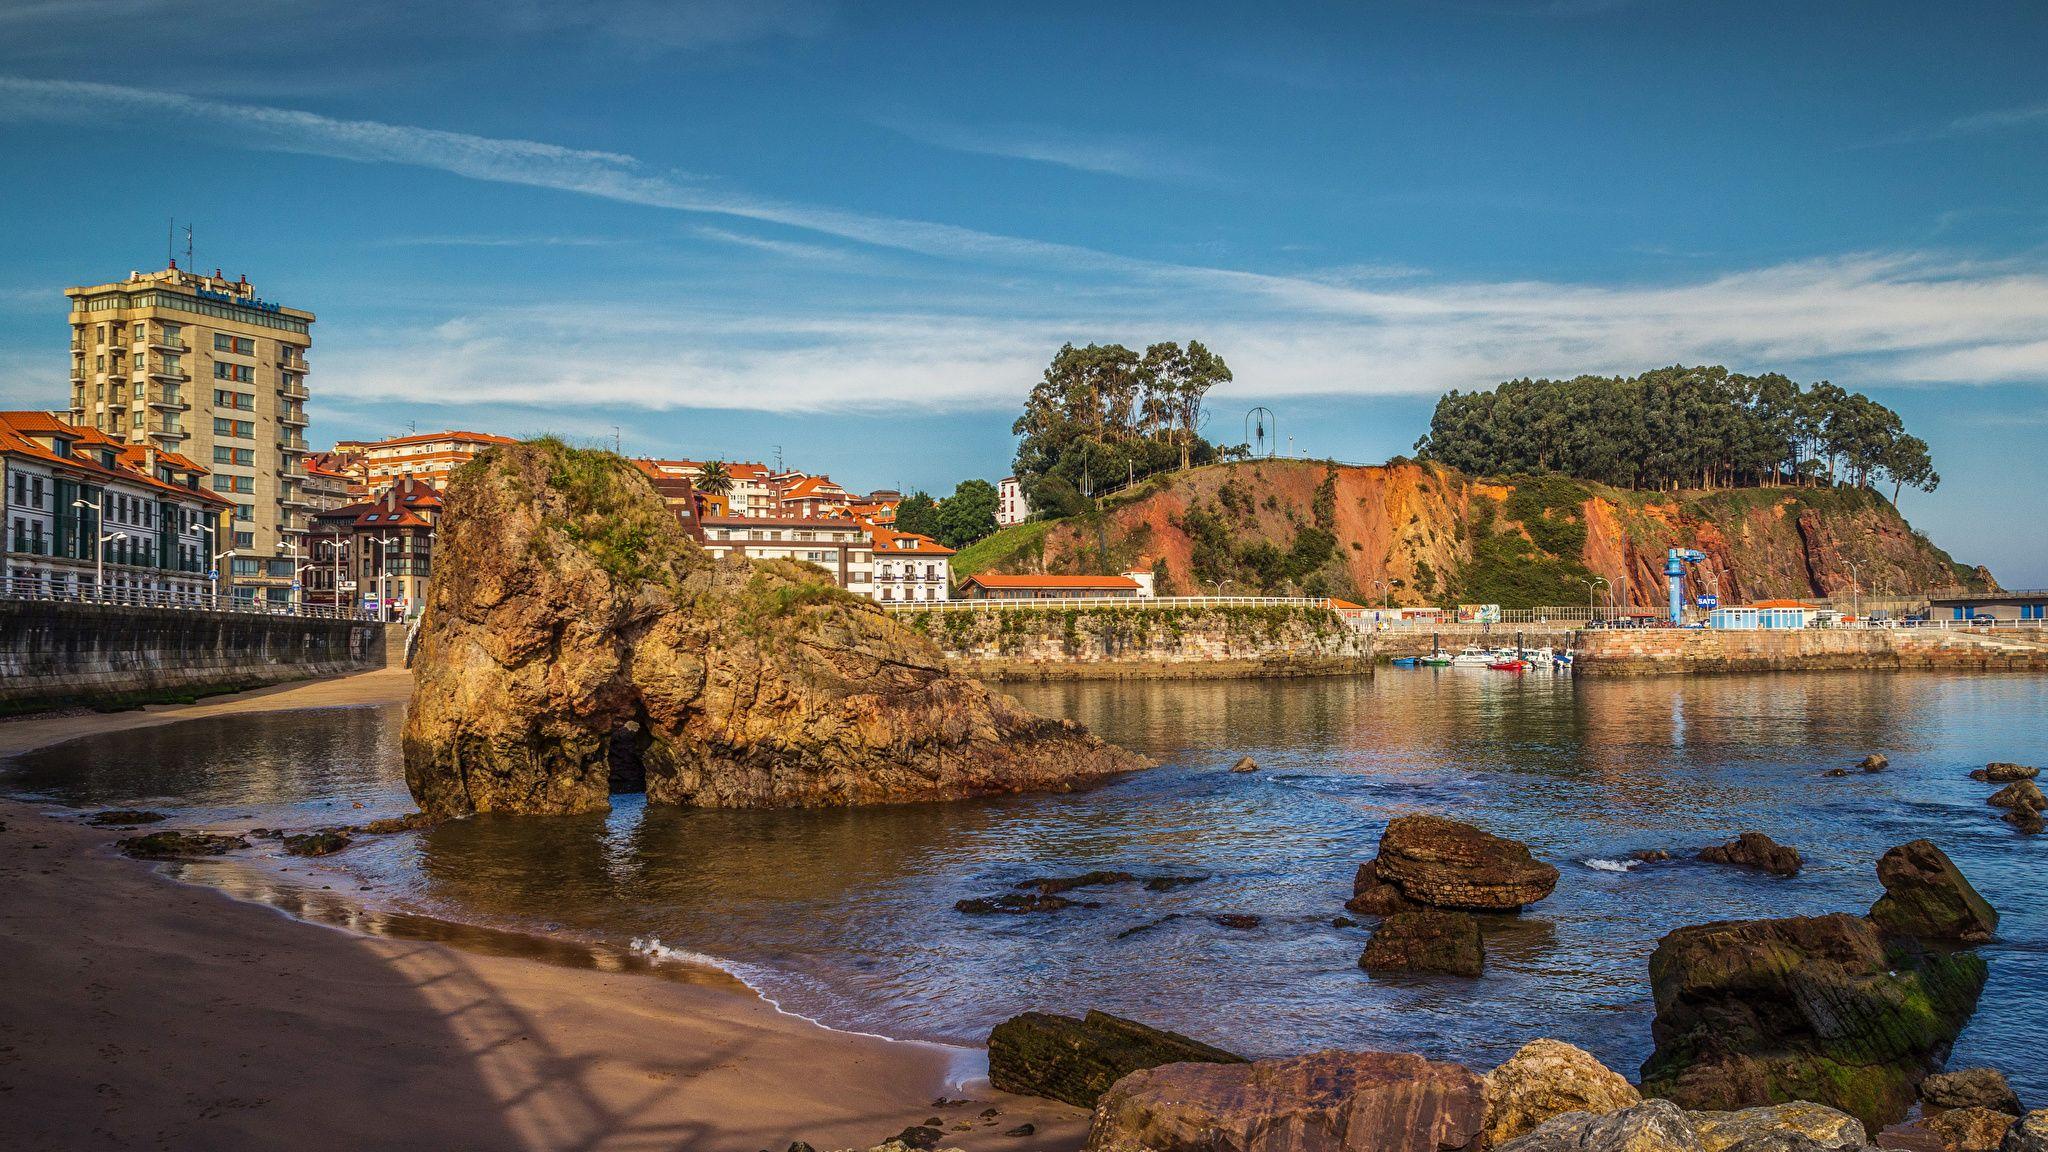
x,y
1421,534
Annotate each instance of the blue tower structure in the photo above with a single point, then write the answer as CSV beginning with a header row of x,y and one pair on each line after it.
x,y
1675,561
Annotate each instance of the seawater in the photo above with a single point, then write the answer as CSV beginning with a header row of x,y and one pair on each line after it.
x,y
847,916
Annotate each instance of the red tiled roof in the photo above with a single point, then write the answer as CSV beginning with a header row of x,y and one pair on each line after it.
x,y
17,427
430,437
907,543
1002,580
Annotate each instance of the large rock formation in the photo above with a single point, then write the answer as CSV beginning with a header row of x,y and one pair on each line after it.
x,y
1322,1102
1809,1008
1927,897
576,643
1547,1078
1075,1061
1428,860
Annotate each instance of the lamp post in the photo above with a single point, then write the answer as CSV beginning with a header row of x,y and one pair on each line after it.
x,y
99,556
213,572
1592,584
384,577
1855,591
96,568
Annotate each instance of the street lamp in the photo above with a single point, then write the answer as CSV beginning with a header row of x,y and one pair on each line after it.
x,y
384,577
1855,591
96,568
99,568
1595,582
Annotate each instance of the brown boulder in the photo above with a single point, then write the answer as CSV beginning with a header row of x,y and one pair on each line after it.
x,y
2029,822
1800,1126
576,643
1875,762
1245,764
1426,940
2020,796
1971,1088
1549,1078
1448,864
2001,772
1755,850
1927,897
2029,1133
1322,1102
1970,1129
1075,1061
1372,896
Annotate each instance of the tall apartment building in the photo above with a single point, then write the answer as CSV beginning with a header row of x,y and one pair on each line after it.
x,y
202,367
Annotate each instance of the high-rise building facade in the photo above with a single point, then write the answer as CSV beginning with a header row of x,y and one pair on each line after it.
x,y
203,367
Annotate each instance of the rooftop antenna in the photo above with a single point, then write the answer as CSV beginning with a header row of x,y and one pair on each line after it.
x,y
1260,431
616,449
188,249
778,458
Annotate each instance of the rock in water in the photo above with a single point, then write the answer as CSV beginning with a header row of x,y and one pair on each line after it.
x,y
1875,762
1245,764
1426,940
1971,1088
1780,1128
1372,896
2001,772
1651,1126
181,845
1926,897
1549,1078
2030,1134
1075,1061
1447,864
577,643
1758,1012
2020,796
1322,1102
1755,850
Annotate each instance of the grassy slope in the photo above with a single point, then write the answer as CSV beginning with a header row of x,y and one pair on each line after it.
x,y
1004,551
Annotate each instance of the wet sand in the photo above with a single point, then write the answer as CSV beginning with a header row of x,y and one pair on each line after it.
x,y
144,1012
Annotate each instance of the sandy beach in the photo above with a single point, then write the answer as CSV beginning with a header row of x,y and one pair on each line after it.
x,y
145,1012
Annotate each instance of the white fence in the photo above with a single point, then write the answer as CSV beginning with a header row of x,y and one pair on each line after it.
x,y
1047,603
30,588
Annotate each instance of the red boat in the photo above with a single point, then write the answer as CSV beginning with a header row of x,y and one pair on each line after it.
x,y
1509,665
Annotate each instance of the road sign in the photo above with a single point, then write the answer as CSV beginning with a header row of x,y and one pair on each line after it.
x,y
213,574
298,587
1709,601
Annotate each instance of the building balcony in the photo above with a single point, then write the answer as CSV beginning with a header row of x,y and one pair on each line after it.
x,y
295,500
176,374
170,431
170,402
294,364
117,372
296,391
295,419
292,444
169,343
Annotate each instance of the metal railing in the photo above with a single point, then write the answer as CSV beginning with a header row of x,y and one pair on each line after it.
x,y
1061,602
20,587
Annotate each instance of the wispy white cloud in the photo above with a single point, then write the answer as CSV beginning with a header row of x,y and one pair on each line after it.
x,y
1102,155
974,329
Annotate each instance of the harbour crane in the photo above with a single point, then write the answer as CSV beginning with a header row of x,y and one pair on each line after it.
x,y
1675,560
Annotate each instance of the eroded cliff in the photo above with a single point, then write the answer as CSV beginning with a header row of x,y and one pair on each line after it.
x,y
1425,534
576,643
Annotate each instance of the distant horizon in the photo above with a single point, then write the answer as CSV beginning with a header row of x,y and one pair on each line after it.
x,y
859,236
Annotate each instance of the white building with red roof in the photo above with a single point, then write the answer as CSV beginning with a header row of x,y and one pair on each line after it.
x,y
911,567
71,490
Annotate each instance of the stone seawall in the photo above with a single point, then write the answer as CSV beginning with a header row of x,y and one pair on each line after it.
x,y
1161,642
1660,650
55,654
1396,642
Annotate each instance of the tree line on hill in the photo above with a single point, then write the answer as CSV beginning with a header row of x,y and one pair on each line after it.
x,y
1679,427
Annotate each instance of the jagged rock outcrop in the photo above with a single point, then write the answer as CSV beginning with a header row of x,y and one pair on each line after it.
x,y
577,643
1547,1078
1969,1129
1755,850
1651,1126
2030,1134
1426,940
1927,897
1808,1008
1321,1102
2020,796
1075,1061
1428,860
2004,772
1800,1126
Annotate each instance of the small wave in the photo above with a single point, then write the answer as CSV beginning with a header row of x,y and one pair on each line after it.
x,y
1599,865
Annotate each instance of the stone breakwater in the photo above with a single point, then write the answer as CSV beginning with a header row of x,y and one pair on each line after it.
x,y
54,654
1110,642
1661,650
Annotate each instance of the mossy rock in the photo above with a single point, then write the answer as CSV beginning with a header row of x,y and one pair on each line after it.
x,y
325,842
1075,1061
181,845
123,818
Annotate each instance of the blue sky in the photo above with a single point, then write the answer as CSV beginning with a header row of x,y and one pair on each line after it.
x,y
858,232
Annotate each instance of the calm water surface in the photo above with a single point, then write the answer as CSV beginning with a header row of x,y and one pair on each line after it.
x,y
847,916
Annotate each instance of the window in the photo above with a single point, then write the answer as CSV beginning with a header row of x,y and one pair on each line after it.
x,y
244,539
234,484
239,345
140,330
238,429
222,398
247,566
241,457
245,514
241,373
20,490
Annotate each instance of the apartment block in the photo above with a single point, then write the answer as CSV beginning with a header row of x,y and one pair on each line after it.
x,y
429,456
204,368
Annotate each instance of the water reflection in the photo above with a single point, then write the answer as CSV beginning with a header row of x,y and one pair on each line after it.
x,y
848,915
